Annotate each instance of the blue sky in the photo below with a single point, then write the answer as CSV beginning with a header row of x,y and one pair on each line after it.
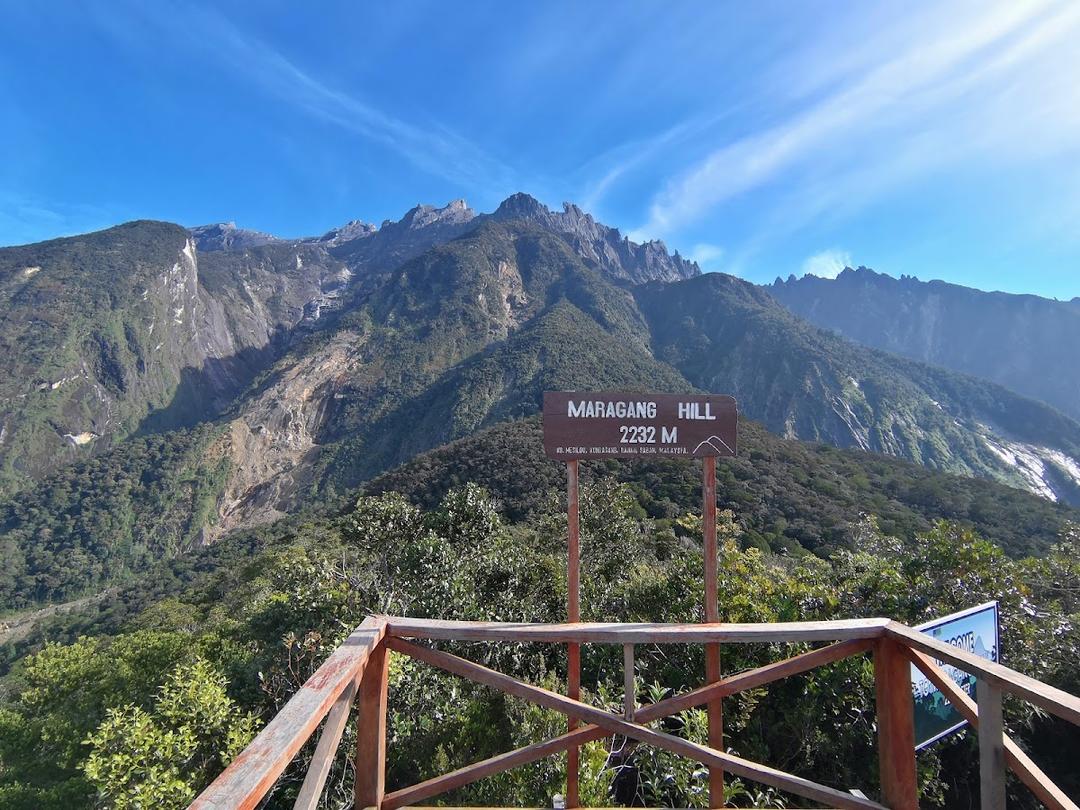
x,y
939,140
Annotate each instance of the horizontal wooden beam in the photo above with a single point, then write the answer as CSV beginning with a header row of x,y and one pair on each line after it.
x,y
703,754
251,775
733,684
1018,761
1056,701
635,633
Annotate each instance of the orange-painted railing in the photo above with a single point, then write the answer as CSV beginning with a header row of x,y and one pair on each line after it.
x,y
356,673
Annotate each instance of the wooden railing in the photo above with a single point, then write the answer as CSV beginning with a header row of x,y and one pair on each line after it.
x,y
357,673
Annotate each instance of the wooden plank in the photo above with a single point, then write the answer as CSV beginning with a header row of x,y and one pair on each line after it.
x,y
370,783
573,615
1015,757
636,633
573,755
991,746
715,708
896,726
251,775
707,756
1055,701
329,739
629,690
750,679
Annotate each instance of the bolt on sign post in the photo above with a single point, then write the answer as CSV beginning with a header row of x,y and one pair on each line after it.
x,y
620,424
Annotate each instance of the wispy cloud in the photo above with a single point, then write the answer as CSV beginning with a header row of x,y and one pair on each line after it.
x,y
708,257
980,81
827,264
429,145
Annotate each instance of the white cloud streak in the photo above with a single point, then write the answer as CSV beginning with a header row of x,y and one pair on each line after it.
x,y
708,257
428,145
827,264
997,81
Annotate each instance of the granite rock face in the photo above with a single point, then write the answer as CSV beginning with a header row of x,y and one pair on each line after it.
x,y
134,329
1023,342
600,245
226,236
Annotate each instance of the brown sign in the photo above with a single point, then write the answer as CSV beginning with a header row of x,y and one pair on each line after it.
x,y
618,424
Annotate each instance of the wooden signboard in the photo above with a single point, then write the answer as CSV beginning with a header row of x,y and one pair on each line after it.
x,y
619,424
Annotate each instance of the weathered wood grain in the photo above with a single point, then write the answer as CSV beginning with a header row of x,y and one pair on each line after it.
x,y
1056,701
329,739
636,633
896,726
750,679
248,778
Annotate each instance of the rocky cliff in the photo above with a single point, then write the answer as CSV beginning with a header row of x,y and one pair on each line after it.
x,y
133,328
1023,342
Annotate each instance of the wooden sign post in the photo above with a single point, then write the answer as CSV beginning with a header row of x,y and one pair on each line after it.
x,y
617,424
573,614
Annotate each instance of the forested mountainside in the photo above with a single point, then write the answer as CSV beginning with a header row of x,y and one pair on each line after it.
x,y
355,351
806,382
109,519
472,331
181,667
788,497
1024,342
129,328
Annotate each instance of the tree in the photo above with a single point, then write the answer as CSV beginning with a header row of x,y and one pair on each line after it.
x,y
161,759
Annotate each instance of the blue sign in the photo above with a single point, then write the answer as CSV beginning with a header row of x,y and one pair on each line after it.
x,y
974,631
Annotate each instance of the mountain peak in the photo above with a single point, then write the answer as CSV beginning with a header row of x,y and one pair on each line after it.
x,y
520,206
455,212
226,236
598,244
353,229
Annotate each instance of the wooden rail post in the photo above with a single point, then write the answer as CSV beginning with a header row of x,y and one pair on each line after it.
x,y
991,746
712,614
371,731
896,727
573,612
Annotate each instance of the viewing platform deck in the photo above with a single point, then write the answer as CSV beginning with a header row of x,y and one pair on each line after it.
x,y
355,675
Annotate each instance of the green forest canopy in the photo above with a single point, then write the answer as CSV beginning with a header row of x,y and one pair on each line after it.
x,y
251,621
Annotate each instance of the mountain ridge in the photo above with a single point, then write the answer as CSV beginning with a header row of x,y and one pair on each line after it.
x,y
351,356
1021,341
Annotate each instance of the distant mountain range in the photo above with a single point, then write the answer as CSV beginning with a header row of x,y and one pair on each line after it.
x,y
297,369
1024,342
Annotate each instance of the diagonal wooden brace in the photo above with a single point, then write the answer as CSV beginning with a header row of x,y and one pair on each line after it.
x,y
614,724
750,679
1019,763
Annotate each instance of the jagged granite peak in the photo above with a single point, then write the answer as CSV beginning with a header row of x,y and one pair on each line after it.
x,y
226,236
376,252
521,206
455,212
599,244
353,229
